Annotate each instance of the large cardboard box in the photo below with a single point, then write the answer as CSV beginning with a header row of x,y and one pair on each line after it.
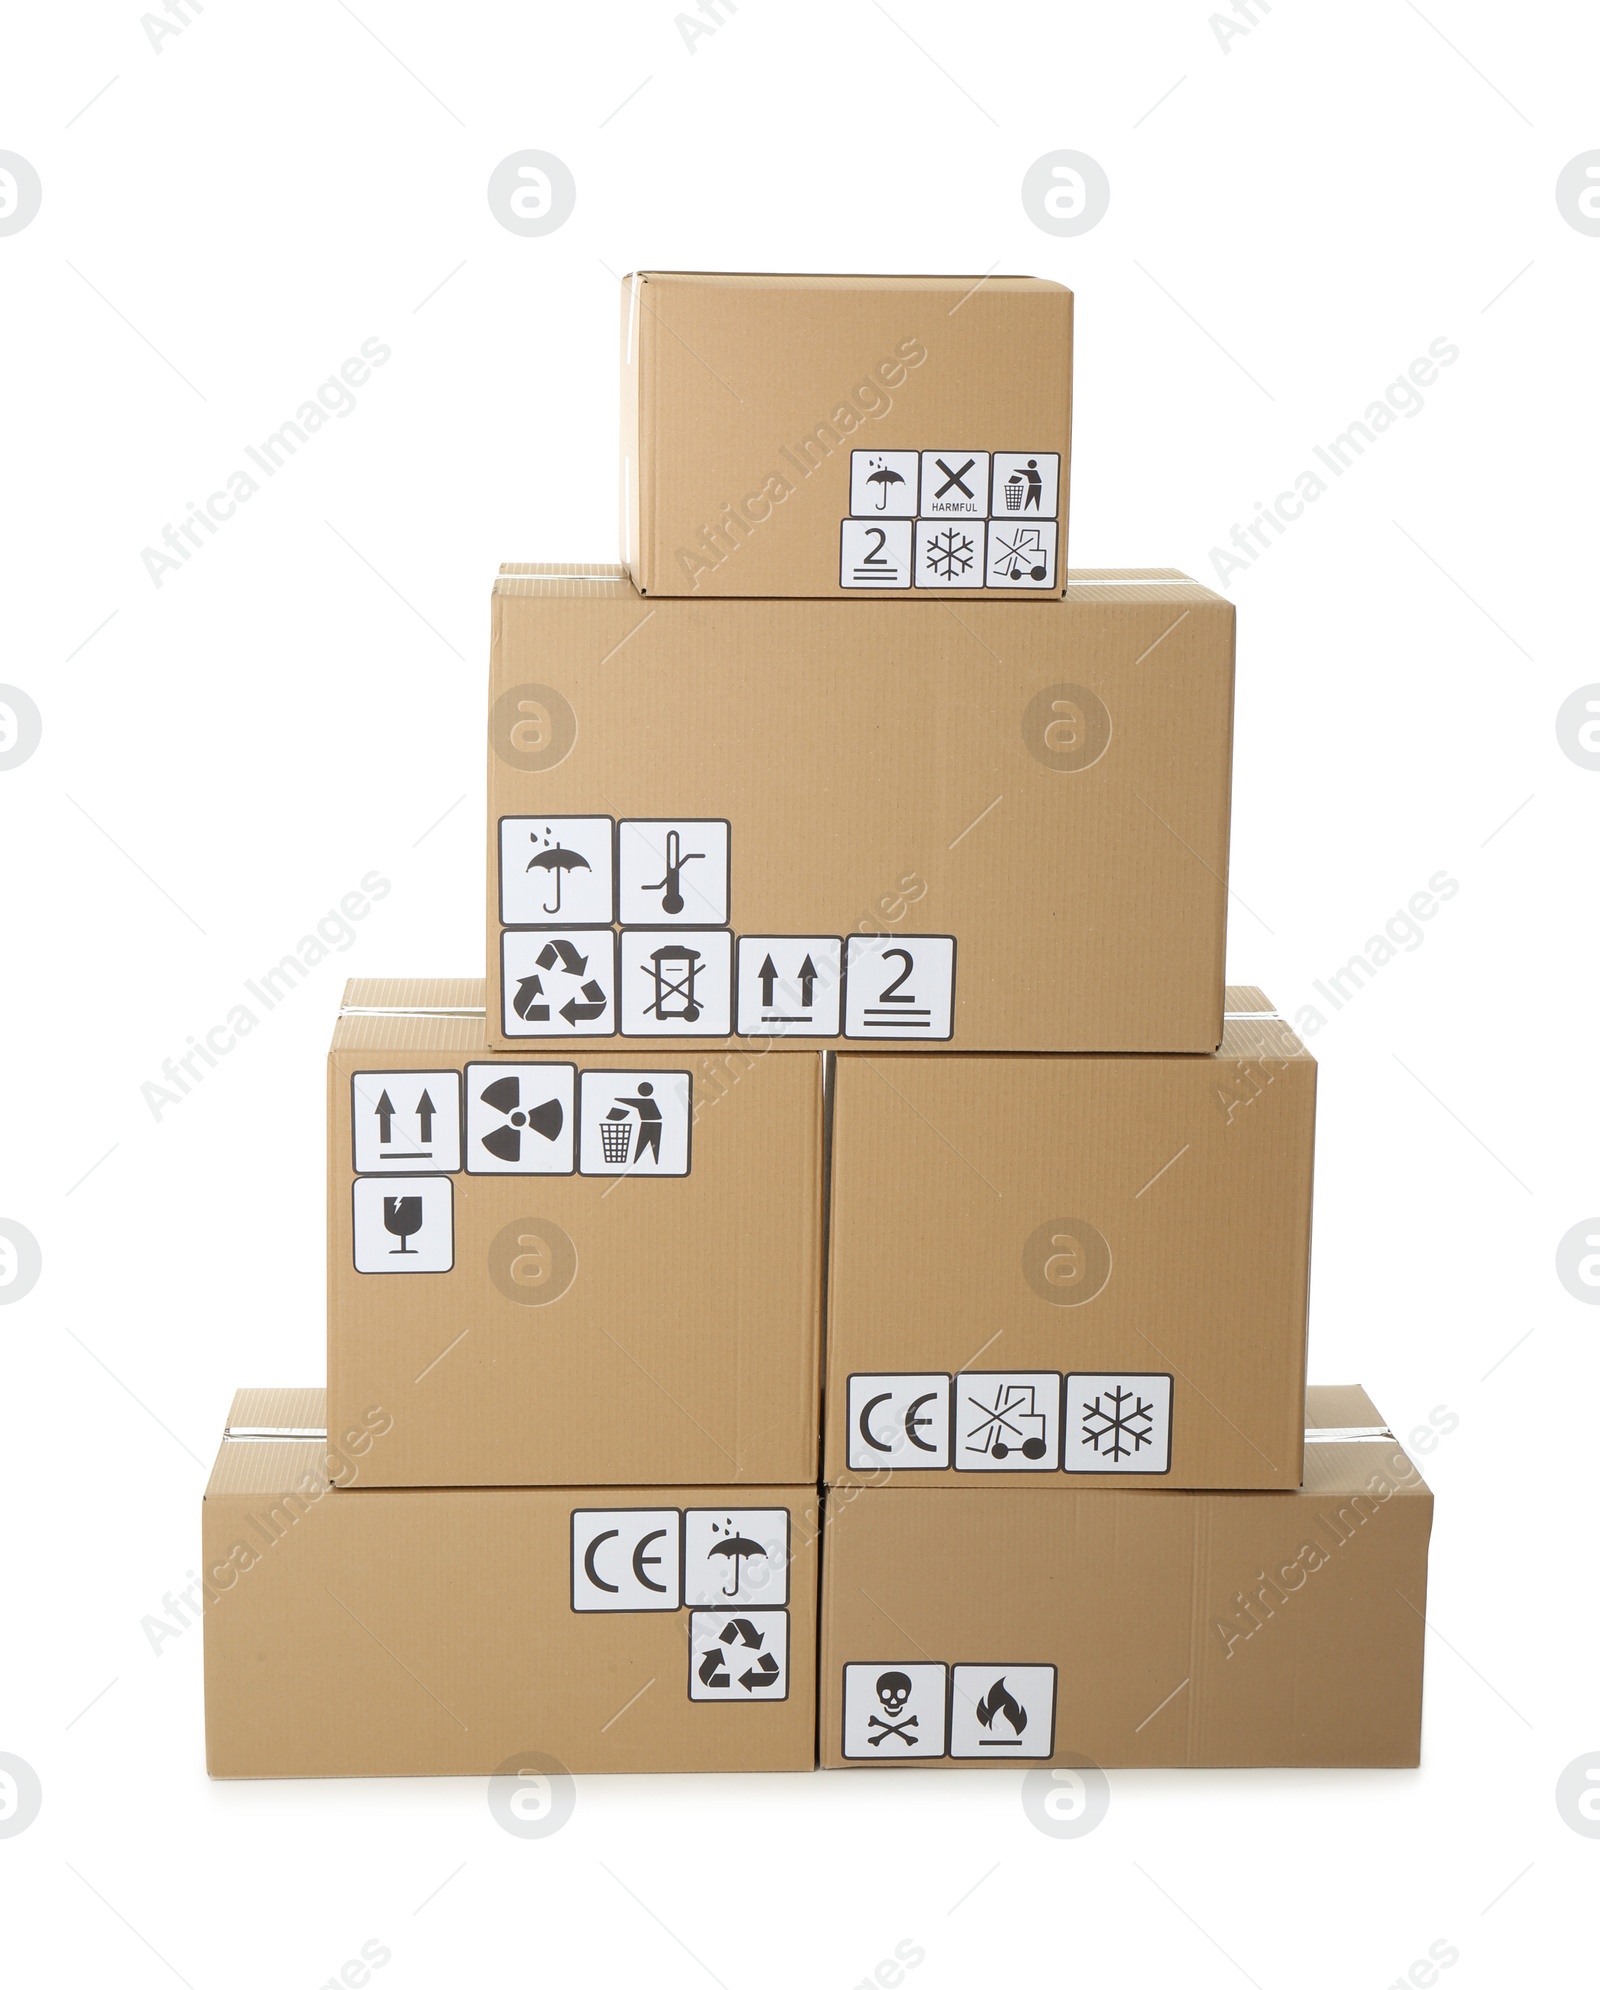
x,y
511,1631
1128,1628
590,1268
834,435
741,823
1082,1269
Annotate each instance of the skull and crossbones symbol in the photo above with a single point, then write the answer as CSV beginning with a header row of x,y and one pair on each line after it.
x,y
893,1690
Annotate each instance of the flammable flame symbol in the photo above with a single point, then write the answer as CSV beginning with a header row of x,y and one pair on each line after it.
x,y
998,1701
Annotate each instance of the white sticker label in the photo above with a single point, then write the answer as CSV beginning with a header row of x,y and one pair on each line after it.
x,y
899,1422
634,1122
790,987
955,484
677,984
1022,556
520,1119
900,987
743,1655
873,555
403,1223
1119,1423
556,870
1027,484
1000,1712
1008,1422
406,1122
672,873
894,1713
949,555
883,483
558,984
626,1558
736,1555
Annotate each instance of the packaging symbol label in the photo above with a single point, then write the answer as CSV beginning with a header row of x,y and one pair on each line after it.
x,y
895,1712
741,1655
403,1223
405,1122
634,1122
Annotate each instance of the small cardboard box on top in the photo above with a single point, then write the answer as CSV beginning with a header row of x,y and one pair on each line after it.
x,y
1084,1270
738,824
505,1632
1135,1629
589,1269
845,435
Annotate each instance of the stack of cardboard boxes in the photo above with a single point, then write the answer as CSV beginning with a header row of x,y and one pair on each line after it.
x,y
840,1285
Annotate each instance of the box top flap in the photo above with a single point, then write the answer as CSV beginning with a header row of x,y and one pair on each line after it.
x,y
399,1013
274,1441
843,280
604,580
1252,1027
1348,1443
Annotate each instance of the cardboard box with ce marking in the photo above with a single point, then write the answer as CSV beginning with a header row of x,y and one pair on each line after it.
x,y
1073,1269
1135,1629
841,435
734,824
513,1632
594,1268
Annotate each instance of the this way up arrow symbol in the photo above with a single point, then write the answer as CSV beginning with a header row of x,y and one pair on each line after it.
x,y
385,1112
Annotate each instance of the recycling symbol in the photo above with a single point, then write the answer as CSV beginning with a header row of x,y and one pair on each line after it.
x,y
563,970
738,1657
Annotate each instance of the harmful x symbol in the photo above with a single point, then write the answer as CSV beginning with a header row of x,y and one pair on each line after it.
x,y
954,479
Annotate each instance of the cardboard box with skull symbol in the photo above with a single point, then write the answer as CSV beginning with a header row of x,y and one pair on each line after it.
x,y
1129,1627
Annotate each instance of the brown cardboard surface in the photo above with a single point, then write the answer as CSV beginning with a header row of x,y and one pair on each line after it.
x,y
745,397
1032,802
432,1633
590,1328
1185,1629
1140,1226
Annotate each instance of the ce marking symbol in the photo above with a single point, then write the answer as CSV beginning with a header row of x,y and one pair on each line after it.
x,y
641,1561
913,1421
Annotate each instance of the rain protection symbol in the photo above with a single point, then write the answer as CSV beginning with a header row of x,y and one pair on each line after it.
x,y
554,858
734,1549
882,479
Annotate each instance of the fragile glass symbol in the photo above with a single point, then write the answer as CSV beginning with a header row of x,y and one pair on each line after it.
x,y
402,1218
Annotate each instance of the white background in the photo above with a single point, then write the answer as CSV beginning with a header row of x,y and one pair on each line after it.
x,y
1294,217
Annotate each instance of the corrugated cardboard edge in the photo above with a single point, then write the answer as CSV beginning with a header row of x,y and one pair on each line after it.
x,y
632,470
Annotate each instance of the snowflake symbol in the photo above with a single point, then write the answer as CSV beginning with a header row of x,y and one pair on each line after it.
x,y
949,553
1120,1420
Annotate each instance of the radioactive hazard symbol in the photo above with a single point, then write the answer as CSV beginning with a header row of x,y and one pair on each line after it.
x,y
520,1119
739,1655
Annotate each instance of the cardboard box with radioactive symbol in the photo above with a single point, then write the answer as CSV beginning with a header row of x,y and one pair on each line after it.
x,y
1055,1271
569,1269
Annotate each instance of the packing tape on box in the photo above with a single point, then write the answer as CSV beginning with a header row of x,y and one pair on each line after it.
x,y
462,1015
285,1433
1352,1434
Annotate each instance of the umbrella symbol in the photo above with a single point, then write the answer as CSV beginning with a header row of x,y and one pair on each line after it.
x,y
736,1548
883,476
558,860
